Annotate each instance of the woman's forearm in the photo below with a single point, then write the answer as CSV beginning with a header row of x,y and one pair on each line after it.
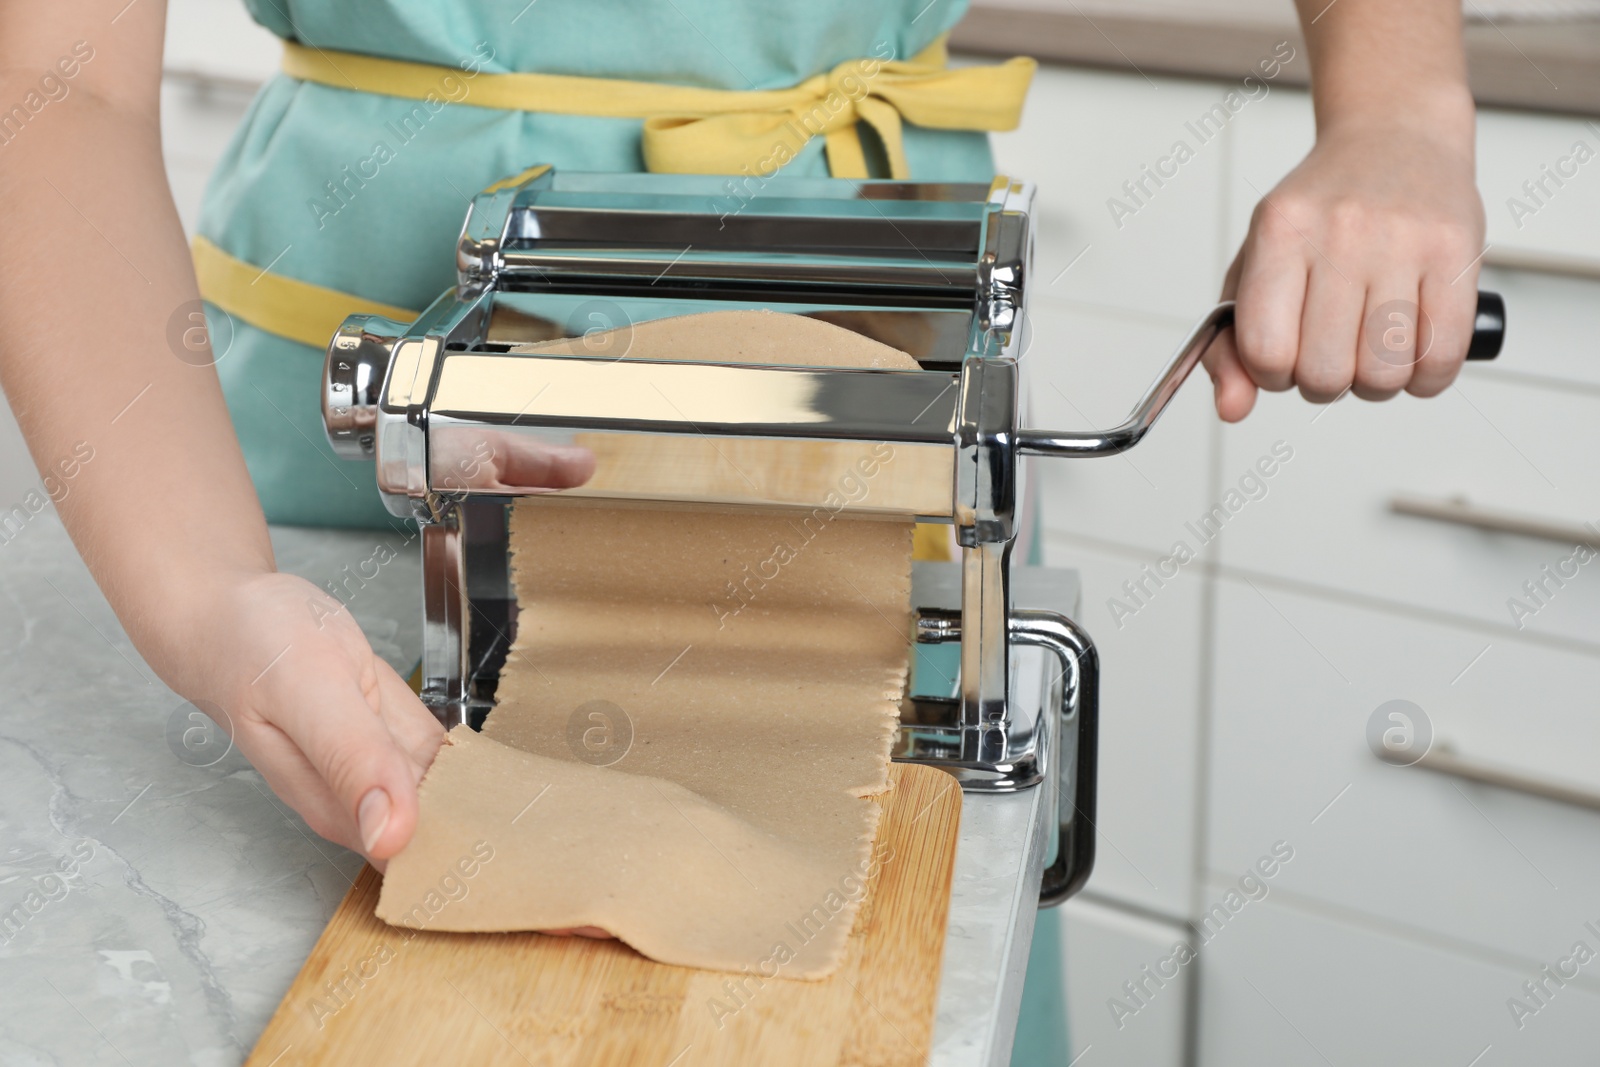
x,y
94,273
1375,60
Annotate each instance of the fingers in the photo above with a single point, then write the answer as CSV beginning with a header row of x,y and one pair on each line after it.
x,y
1451,308
1310,325
1329,333
340,729
1232,390
1345,277
1394,335
290,775
509,460
413,726
279,752
533,464
330,726
1272,295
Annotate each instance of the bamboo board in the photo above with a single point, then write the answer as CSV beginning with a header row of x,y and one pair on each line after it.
x,y
377,994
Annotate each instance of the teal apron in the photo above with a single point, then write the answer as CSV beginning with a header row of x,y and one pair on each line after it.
x,y
338,189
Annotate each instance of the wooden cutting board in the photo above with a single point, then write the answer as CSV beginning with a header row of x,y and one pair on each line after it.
x,y
375,994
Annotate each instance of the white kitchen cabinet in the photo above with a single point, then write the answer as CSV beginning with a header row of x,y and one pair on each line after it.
x,y
1298,680
1452,893
1553,326
1510,436
198,119
1501,443
196,124
1085,133
218,37
1105,948
1150,737
1099,330
1270,138
1528,203
1087,368
1290,987
215,55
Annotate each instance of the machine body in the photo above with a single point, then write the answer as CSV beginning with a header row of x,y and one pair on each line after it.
x,y
455,416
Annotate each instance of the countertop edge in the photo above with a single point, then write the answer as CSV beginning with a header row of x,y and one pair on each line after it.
x,y
1544,66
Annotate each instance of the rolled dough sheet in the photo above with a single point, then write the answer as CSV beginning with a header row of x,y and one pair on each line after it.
x,y
735,337
746,669
700,468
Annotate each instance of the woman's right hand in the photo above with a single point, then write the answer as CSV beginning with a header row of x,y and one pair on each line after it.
x,y
334,730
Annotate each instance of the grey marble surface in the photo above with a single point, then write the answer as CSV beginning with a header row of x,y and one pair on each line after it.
x,y
194,894
156,899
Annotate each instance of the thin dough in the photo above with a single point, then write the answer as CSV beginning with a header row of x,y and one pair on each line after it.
x,y
754,663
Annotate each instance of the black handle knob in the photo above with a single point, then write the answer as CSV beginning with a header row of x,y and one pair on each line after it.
x,y
1489,327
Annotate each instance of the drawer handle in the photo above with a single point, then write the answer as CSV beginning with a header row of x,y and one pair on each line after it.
x,y
1562,263
1462,512
1441,759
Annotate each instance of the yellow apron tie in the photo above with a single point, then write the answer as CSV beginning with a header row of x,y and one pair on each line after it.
x,y
688,130
277,304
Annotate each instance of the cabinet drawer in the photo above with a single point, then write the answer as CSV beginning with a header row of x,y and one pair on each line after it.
x,y
1149,732
1290,989
1537,195
1299,680
1524,449
1104,947
1552,325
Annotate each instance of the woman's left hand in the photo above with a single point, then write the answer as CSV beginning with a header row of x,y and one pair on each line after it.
x,y
1380,219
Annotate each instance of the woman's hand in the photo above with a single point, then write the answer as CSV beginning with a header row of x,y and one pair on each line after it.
x,y
332,728
337,734
1379,220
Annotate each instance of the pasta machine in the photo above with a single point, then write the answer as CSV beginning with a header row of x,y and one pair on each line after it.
x,y
460,424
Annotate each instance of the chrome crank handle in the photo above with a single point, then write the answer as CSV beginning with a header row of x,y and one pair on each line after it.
x,y
1488,334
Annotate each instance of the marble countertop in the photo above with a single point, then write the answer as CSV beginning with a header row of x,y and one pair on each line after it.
x,y
157,900
1543,64
194,894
